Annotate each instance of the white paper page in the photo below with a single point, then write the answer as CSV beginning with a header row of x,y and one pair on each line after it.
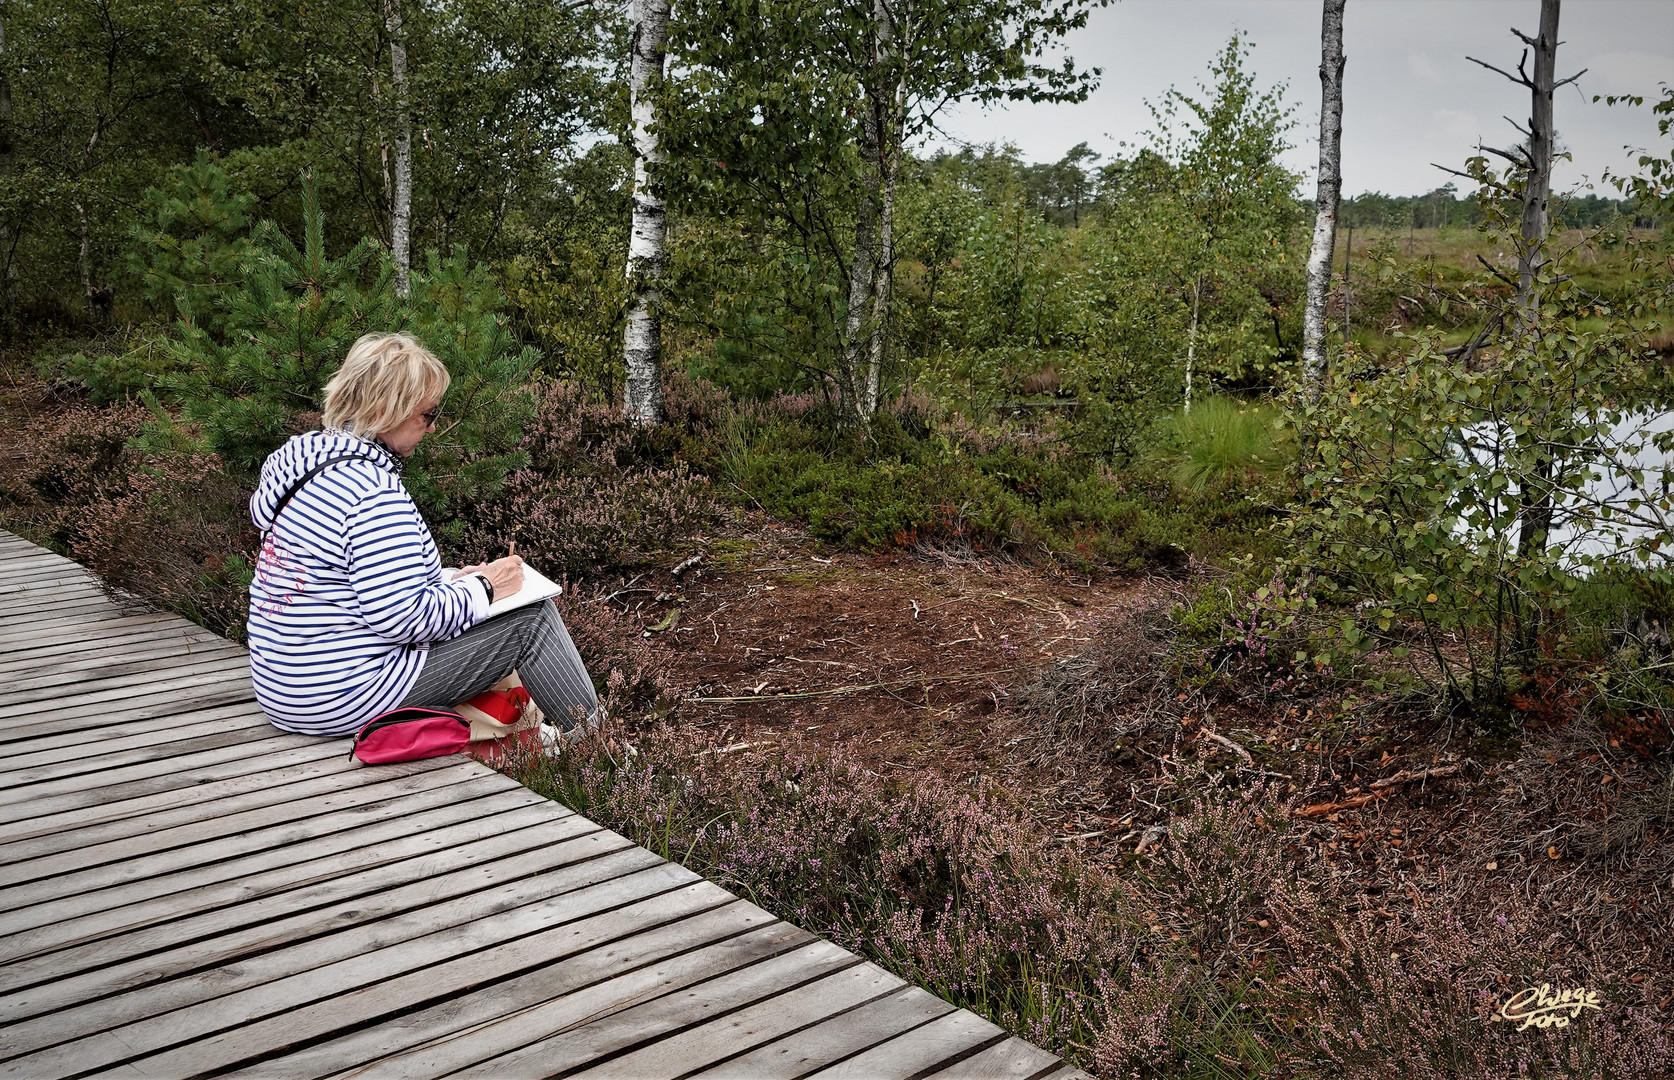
x,y
536,587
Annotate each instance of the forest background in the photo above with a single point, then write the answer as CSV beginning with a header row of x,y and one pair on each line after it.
x,y
1084,369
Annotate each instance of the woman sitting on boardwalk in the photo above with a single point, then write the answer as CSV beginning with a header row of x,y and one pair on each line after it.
x,y
350,615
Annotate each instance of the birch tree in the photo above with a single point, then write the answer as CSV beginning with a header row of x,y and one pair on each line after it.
x,y
798,113
8,234
1329,193
642,337
401,207
1227,205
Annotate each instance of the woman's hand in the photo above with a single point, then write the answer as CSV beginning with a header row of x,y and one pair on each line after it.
x,y
506,575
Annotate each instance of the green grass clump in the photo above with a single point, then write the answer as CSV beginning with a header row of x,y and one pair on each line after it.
x,y
1222,439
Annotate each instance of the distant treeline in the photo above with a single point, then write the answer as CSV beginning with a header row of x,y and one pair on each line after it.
x,y
1064,190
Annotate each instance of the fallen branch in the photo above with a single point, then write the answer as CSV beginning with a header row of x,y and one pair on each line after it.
x,y
851,689
1319,809
1408,776
1383,788
686,564
1230,745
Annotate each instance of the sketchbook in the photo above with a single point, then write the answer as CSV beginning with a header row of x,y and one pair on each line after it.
x,y
536,587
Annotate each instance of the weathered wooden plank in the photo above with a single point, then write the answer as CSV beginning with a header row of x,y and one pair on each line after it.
x,y
550,953
150,663
1013,1059
41,588
27,575
464,1030
73,764
148,706
586,1041
75,647
66,610
158,901
291,952
278,787
19,608
160,733
86,693
217,935
327,757
741,1029
936,1045
238,1027
834,1039
108,654
14,791
101,800
16,565
222,835
16,636
375,802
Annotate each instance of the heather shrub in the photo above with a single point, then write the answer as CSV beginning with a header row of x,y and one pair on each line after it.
x,y
951,888
598,493
1229,950
626,672
169,528
70,461
1380,994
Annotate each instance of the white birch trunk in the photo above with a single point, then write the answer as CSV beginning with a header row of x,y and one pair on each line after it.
x,y
401,207
1191,342
889,162
8,229
642,336
862,268
1328,196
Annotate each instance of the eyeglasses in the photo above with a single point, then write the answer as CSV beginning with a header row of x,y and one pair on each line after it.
x,y
431,416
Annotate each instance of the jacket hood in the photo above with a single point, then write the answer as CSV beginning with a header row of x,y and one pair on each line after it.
x,y
288,464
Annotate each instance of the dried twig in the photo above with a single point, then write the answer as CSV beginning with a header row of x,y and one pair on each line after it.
x,y
1230,745
852,689
1408,776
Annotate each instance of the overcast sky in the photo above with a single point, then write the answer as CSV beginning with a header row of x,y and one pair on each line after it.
x,y
1410,96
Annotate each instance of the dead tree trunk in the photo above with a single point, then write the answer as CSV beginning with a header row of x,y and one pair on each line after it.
x,y
1534,161
1329,194
642,336
401,206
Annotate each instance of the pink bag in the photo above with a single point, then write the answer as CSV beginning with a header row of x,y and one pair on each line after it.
x,y
409,734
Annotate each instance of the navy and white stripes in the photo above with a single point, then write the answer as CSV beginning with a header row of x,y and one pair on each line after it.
x,y
348,591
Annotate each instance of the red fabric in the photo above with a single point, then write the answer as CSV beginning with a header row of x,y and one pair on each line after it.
x,y
505,706
411,734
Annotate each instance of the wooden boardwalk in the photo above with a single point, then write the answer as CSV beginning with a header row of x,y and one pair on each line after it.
x,y
185,891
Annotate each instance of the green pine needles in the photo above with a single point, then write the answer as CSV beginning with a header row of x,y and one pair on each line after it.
x,y
245,366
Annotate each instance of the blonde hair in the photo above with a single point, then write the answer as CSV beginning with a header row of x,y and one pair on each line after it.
x,y
383,382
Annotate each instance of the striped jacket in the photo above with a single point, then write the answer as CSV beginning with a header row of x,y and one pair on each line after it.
x,y
348,591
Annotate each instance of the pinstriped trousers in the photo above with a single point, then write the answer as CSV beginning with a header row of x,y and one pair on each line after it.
x,y
533,642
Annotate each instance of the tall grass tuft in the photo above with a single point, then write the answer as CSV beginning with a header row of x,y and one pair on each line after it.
x,y
1222,438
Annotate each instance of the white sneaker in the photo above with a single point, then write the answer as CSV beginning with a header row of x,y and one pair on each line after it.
x,y
550,743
